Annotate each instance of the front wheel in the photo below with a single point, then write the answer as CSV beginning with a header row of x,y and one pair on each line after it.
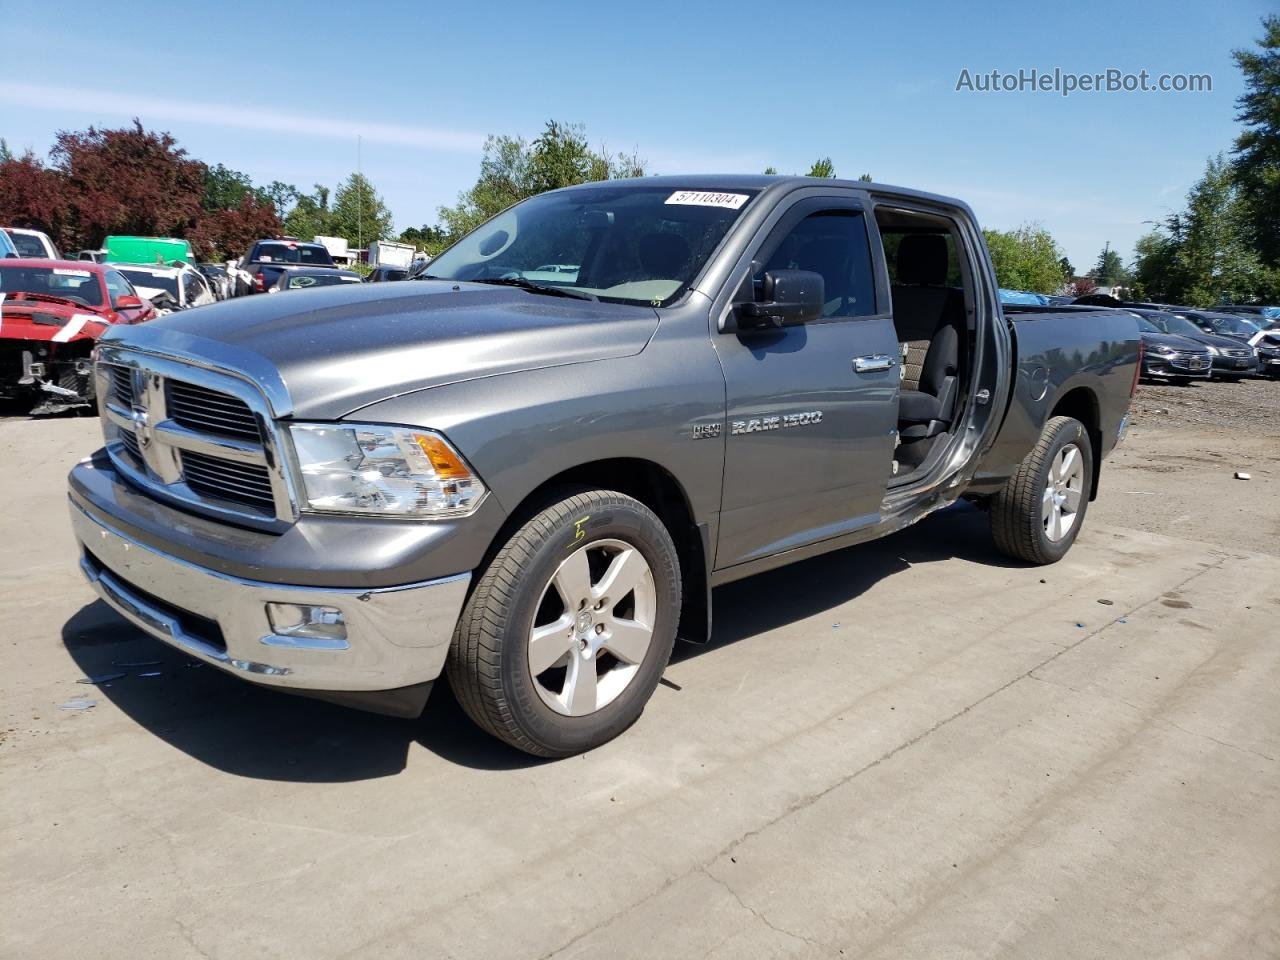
x,y
1039,511
570,626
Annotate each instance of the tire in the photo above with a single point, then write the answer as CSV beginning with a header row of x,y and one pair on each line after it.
x,y
1021,514
518,618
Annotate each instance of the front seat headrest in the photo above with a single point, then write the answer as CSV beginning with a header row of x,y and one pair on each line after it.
x,y
922,259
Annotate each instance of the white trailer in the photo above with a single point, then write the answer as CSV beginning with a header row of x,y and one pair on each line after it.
x,y
389,253
337,247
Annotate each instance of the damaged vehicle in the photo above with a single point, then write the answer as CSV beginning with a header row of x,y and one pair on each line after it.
x,y
51,314
176,287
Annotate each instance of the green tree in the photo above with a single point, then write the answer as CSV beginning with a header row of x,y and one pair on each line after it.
x,y
864,178
225,188
1109,271
770,171
1256,164
310,216
428,238
1027,258
512,169
823,168
5,153
358,212
1068,271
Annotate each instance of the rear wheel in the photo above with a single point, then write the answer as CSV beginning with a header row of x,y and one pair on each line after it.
x,y
1040,510
570,626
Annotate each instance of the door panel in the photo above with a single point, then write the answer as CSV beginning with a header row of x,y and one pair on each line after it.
x,y
810,439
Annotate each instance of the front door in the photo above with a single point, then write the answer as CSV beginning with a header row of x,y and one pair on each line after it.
x,y
812,409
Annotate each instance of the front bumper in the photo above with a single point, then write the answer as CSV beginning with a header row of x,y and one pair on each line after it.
x,y
1235,366
1157,365
397,637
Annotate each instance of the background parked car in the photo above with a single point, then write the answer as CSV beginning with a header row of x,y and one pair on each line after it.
x,y
121,249
33,243
382,274
54,311
1251,310
267,259
1223,324
176,287
1231,358
7,249
304,278
1169,357
219,280
1267,343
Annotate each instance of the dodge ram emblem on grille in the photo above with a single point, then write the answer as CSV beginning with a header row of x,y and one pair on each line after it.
x,y
138,410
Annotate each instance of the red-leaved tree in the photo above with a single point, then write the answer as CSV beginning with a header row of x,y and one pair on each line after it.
x,y
220,234
127,181
31,195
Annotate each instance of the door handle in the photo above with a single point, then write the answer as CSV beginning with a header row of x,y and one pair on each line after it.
x,y
872,362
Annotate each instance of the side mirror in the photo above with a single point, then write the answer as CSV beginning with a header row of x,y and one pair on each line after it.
x,y
789,298
127,302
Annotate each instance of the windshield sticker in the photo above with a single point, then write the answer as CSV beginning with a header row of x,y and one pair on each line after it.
x,y
64,272
704,198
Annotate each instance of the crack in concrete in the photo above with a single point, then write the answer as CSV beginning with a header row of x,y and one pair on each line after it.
x,y
728,888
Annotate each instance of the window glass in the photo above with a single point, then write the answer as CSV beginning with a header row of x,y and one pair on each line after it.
x,y
117,286
892,240
285,252
628,243
832,243
67,283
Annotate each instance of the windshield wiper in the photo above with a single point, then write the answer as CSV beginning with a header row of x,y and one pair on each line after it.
x,y
545,288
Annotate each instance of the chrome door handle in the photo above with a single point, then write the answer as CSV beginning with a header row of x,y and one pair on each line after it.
x,y
872,363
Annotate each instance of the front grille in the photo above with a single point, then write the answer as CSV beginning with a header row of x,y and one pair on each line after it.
x,y
1237,353
211,411
122,385
247,483
131,444
196,438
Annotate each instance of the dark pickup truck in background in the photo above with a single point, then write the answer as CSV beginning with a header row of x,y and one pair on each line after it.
x,y
531,480
267,259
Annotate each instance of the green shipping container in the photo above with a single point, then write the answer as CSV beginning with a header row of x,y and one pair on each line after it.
x,y
148,250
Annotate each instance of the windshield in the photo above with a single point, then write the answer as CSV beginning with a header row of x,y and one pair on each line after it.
x,y
82,286
1234,325
28,245
1179,325
153,281
317,256
626,244
1146,326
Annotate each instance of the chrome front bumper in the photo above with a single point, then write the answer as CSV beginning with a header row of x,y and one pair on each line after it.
x,y
396,637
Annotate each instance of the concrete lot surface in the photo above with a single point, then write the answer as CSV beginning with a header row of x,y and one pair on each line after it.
x,y
909,749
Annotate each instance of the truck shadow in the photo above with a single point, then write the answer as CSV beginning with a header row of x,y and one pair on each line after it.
x,y
250,731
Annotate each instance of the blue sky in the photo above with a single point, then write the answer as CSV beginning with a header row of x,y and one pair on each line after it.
x,y
281,92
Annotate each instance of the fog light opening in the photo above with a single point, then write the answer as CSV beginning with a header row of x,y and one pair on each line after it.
x,y
307,620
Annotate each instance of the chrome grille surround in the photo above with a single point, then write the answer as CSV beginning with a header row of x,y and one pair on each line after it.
x,y
235,473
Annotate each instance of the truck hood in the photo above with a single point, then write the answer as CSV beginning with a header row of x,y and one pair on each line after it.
x,y
1216,340
334,350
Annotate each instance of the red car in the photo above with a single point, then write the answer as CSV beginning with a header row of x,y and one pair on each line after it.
x,y
51,314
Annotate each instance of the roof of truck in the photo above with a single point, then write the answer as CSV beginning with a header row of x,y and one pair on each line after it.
x,y
764,181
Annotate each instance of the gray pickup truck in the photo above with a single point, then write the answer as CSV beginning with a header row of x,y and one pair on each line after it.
x,y
528,469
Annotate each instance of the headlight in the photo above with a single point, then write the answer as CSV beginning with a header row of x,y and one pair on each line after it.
x,y
392,471
1213,351
1165,349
